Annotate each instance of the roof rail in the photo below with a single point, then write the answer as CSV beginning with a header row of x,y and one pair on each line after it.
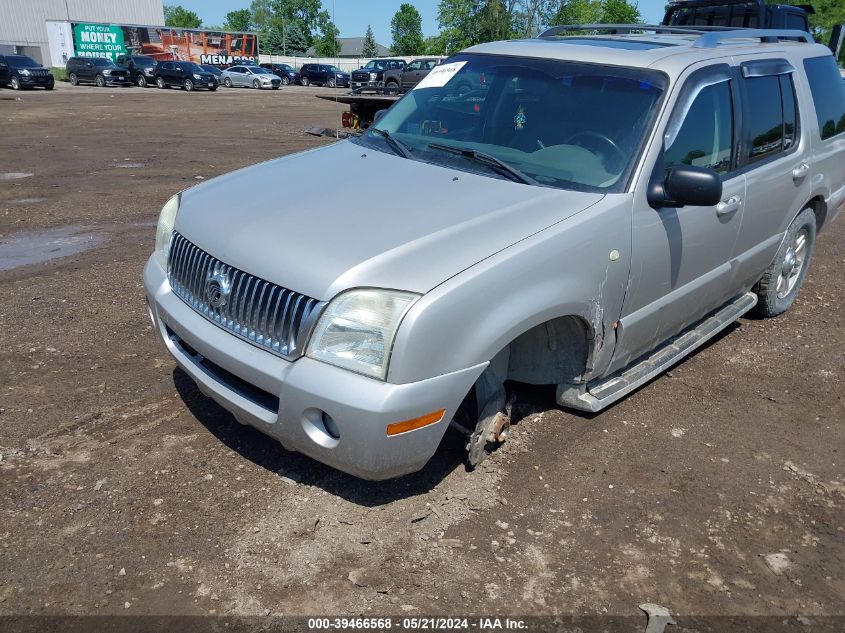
x,y
767,36
708,36
615,29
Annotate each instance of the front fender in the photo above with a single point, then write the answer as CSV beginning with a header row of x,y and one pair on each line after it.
x,y
578,267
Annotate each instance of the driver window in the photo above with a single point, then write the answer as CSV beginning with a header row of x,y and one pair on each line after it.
x,y
705,138
413,66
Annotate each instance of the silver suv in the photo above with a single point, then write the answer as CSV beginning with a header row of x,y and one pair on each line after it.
x,y
579,211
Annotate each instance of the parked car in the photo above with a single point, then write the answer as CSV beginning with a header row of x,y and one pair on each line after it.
x,y
20,71
285,72
250,76
372,74
323,75
404,79
596,214
141,69
100,71
188,75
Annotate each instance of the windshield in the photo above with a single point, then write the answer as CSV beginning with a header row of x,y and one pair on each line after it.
x,y
260,71
144,61
102,62
375,64
334,69
21,61
563,124
191,67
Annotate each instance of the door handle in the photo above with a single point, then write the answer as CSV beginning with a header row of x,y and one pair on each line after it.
x,y
731,205
799,172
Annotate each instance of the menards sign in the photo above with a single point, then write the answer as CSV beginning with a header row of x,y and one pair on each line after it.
x,y
91,39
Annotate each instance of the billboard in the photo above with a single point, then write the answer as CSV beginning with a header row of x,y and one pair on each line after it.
x,y
90,39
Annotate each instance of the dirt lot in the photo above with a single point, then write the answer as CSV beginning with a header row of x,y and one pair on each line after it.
x,y
124,491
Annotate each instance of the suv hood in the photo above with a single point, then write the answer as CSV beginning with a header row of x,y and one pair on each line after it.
x,y
412,229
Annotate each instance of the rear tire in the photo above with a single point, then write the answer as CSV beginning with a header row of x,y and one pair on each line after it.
x,y
779,285
73,79
100,81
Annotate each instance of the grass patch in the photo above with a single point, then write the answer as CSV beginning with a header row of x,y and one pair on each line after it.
x,y
59,73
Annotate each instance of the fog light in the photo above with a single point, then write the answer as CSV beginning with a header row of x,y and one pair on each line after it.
x,y
330,425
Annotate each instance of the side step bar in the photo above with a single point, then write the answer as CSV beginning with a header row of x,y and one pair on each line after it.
x,y
609,390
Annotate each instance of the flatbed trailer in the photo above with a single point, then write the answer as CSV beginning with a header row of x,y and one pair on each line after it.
x,y
362,106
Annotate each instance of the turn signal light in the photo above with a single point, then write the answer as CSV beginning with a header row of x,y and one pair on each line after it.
x,y
417,423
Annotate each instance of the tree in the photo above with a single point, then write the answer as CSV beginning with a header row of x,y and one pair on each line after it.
x,y
327,45
406,28
435,45
239,20
370,48
594,12
828,14
458,24
620,12
308,15
180,17
296,42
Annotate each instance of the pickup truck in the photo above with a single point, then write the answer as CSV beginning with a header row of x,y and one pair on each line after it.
x,y
404,79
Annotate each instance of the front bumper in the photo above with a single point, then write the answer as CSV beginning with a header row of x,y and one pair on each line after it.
x,y
285,399
29,80
117,81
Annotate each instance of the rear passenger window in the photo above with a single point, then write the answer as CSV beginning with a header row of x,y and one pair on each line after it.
x,y
705,138
828,94
772,121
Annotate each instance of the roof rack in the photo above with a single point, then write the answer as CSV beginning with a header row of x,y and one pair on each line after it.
x,y
708,36
767,36
615,29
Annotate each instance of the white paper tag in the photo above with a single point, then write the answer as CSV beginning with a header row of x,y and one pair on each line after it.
x,y
440,76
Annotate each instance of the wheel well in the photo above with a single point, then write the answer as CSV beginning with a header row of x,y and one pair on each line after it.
x,y
819,207
555,352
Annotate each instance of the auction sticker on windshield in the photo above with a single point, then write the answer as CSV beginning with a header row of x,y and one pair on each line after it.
x,y
440,76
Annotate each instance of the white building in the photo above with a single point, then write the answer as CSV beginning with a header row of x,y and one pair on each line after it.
x,y
23,26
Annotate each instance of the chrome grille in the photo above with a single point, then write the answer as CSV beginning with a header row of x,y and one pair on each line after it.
x,y
273,318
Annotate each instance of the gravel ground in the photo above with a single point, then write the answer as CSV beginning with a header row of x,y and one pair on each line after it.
x,y
717,489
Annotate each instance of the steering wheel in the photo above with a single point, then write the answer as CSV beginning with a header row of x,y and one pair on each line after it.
x,y
608,142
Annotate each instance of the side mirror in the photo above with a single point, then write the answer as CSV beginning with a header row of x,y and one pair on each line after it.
x,y
685,185
379,115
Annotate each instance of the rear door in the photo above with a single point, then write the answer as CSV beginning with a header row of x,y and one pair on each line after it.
x,y
411,76
87,70
681,258
777,164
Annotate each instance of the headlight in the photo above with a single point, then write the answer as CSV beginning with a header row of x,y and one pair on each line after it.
x,y
373,76
107,72
25,72
357,329
164,230
149,71
197,77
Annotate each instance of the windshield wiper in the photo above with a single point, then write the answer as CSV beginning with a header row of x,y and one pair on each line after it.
x,y
491,161
398,146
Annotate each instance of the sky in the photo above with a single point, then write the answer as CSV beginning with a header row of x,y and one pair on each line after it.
x,y
353,16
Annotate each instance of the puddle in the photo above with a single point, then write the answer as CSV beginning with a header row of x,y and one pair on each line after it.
x,y
28,200
23,249
13,175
